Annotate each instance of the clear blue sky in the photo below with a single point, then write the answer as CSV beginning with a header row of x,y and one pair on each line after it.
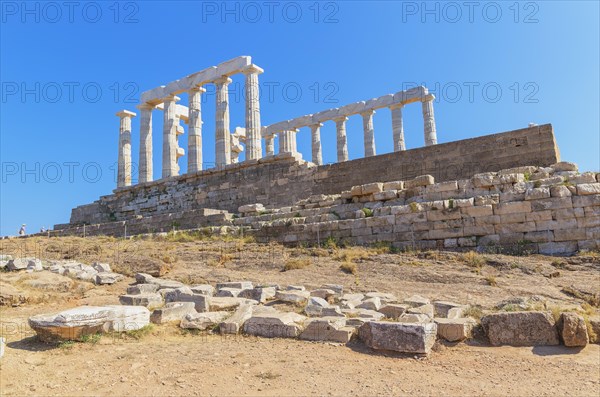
x,y
66,70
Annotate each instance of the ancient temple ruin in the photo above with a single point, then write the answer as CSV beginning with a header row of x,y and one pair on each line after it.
x,y
228,146
502,190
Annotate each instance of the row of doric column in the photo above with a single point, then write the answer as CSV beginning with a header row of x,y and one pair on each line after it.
x,y
172,129
287,138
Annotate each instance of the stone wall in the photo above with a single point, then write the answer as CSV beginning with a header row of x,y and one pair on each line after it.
x,y
282,180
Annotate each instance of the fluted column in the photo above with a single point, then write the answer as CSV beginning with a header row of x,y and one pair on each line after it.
x,y
369,138
222,139
398,127
342,141
169,160
287,141
253,141
124,161
195,130
429,121
317,151
145,166
270,144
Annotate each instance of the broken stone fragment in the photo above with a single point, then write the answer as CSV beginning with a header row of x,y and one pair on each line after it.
x,y
273,324
327,329
234,324
416,300
404,338
295,296
172,312
148,300
454,330
75,323
520,329
393,310
573,330
107,278
203,321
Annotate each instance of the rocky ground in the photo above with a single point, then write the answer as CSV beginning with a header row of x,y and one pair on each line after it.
x,y
169,360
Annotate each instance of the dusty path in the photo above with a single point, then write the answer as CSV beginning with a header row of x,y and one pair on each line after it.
x,y
199,365
169,361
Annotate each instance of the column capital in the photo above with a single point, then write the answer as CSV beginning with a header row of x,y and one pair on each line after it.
x,y
316,125
171,98
146,106
125,113
198,88
399,105
340,119
428,98
223,80
368,112
252,69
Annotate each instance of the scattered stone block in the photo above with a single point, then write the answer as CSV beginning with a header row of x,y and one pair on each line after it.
x,y
454,330
572,329
234,324
295,288
414,318
203,321
142,289
148,300
339,289
295,296
203,289
74,323
404,338
250,208
456,312
101,267
172,311
275,324
323,293
228,303
327,329
143,278
383,297
564,166
107,278
260,294
23,263
416,300
588,188
353,297
393,310
236,284
332,311
371,188
231,292
315,306
520,328
442,308
370,304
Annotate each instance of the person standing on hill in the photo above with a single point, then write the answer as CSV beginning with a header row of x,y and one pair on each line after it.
x,y
22,230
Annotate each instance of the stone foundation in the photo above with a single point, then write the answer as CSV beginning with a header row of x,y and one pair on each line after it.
x,y
282,180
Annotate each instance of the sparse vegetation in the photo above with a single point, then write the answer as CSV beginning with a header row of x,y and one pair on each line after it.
x,y
349,268
491,280
140,333
414,207
474,260
267,375
91,338
368,212
475,312
294,264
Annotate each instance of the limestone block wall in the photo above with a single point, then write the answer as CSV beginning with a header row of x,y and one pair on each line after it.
x,y
550,210
282,180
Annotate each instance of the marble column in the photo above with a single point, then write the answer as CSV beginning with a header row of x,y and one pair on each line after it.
x,y
145,167
222,138
270,144
342,141
287,141
369,138
317,151
429,121
253,128
169,160
398,127
124,162
195,130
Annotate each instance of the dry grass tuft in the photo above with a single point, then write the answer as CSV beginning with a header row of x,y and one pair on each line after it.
x,y
294,264
349,268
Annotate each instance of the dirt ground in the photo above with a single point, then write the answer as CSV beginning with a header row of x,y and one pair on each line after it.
x,y
169,361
